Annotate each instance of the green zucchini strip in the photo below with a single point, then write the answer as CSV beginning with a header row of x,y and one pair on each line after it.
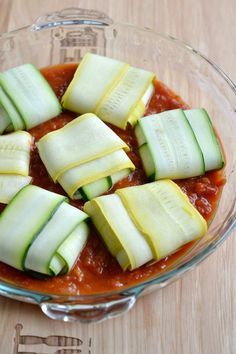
x,y
64,149
10,185
91,171
99,187
113,90
41,232
13,114
31,94
206,137
123,239
62,223
15,153
163,213
5,120
172,148
94,189
22,220
70,249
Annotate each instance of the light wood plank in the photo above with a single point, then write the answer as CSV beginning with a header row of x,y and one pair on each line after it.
x,y
197,314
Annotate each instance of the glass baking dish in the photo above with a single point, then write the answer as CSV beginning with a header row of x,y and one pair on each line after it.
x,y
65,36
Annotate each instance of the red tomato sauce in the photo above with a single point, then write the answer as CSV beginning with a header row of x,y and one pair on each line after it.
x,y
96,270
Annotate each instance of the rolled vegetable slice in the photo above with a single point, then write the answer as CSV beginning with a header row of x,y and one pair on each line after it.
x,y
206,137
5,121
95,76
163,213
172,151
64,149
94,189
15,153
70,249
124,103
10,185
22,220
12,112
113,90
91,171
118,176
99,187
123,239
42,250
31,94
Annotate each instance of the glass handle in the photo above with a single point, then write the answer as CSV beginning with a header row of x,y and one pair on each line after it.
x,y
73,15
88,312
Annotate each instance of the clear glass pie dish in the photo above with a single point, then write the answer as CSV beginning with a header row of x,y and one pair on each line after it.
x,y
66,36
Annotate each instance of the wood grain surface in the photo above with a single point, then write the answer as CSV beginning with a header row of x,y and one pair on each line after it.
x,y
197,314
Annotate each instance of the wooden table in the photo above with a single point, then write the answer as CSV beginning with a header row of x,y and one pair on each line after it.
x,y
196,314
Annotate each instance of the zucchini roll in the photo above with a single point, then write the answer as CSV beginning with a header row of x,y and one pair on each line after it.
x,y
86,157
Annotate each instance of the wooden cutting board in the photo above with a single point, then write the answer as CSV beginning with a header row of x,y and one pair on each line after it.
x,y
195,315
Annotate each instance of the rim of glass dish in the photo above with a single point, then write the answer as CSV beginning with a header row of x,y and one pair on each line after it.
x,y
9,289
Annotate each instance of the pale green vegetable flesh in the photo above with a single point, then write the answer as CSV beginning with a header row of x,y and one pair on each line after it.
x,y
85,173
141,139
147,222
5,121
99,187
147,160
173,147
33,206
70,249
91,171
39,255
12,112
31,94
206,137
124,103
118,176
14,164
178,144
93,78
94,189
125,243
163,213
41,233
113,90
64,148
15,153
10,185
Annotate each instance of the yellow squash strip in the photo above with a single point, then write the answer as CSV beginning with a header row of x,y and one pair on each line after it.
x,y
124,103
94,77
115,91
121,236
15,153
91,171
10,185
163,213
84,139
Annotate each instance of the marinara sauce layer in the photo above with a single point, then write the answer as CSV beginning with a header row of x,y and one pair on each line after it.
x,y
96,270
